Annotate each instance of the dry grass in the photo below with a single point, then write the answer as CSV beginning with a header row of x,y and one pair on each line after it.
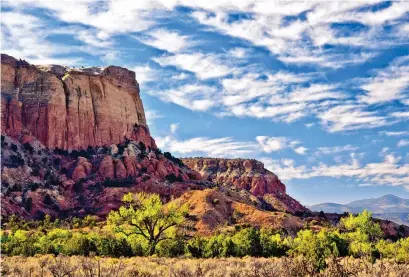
x,y
183,267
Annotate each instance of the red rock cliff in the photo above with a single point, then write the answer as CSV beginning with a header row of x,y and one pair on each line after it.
x,y
246,174
71,109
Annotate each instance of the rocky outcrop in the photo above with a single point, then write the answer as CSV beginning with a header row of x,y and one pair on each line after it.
x,y
38,181
249,175
71,108
243,174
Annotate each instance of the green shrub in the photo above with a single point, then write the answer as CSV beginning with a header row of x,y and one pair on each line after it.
x,y
113,247
174,247
247,242
79,245
196,247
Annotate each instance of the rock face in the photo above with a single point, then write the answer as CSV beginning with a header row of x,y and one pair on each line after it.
x,y
71,109
243,174
249,175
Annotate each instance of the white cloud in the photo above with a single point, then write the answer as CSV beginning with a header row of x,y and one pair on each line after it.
x,y
285,168
315,92
350,117
403,142
389,84
301,41
251,86
24,36
277,96
164,39
300,150
92,37
238,52
219,147
111,17
273,144
174,127
394,134
254,95
336,149
151,115
395,11
181,76
205,66
400,114
145,74
287,113
191,96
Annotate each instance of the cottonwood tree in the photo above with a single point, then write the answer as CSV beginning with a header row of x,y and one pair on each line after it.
x,y
145,215
362,232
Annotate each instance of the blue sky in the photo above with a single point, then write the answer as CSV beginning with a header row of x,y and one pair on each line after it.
x,y
318,91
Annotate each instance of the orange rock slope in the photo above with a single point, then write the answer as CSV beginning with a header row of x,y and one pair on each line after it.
x,y
211,209
71,108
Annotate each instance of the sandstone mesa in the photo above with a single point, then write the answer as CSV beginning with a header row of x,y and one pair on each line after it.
x,y
71,109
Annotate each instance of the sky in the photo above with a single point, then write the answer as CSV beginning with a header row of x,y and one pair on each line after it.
x,y
317,91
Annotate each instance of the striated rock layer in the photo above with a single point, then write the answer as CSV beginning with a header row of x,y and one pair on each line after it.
x,y
247,175
71,109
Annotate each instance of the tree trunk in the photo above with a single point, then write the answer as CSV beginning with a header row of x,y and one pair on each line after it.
x,y
152,247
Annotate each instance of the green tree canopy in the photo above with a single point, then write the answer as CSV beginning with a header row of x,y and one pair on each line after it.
x,y
145,215
364,224
361,232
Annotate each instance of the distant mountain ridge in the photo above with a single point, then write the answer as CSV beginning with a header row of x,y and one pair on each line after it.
x,y
388,207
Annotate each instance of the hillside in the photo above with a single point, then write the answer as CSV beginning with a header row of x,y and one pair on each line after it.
x,y
212,209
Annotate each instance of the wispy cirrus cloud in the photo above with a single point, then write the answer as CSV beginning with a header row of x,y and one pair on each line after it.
x,y
24,36
400,115
394,133
204,146
273,144
350,117
205,66
195,97
165,39
403,142
145,74
151,115
391,83
267,28
335,149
